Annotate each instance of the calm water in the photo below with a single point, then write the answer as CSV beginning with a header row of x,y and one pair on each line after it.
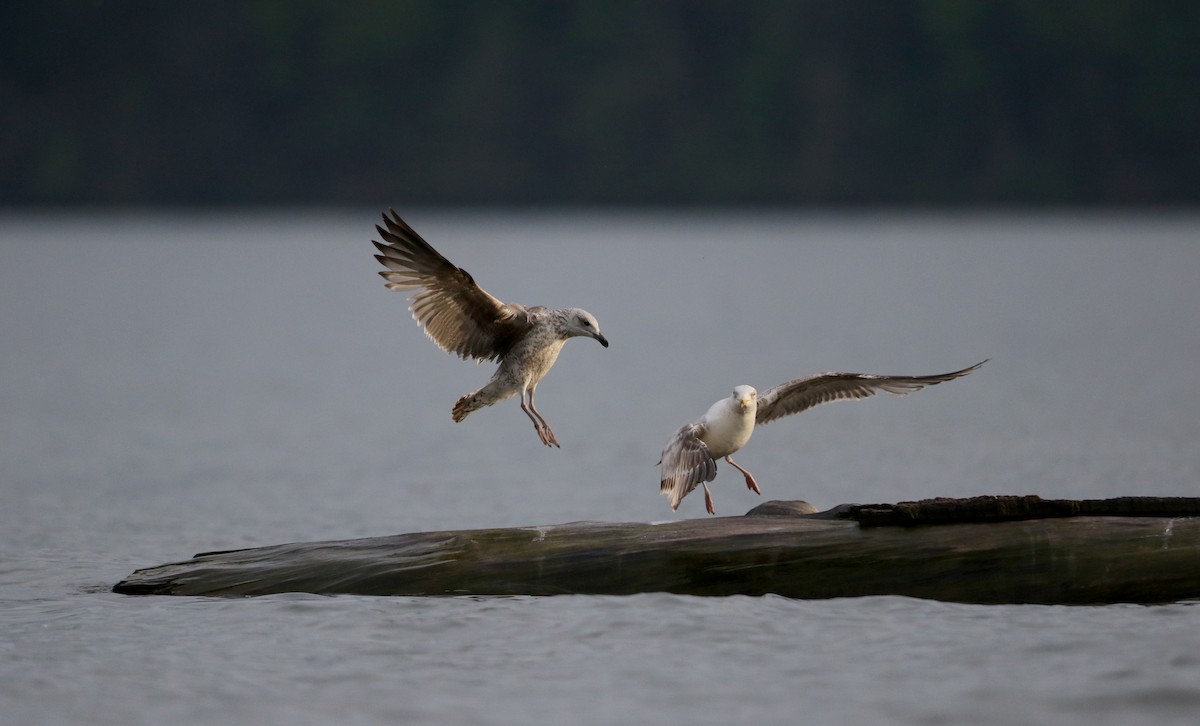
x,y
175,383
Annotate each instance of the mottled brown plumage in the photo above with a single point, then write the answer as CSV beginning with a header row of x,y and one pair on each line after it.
x,y
463,319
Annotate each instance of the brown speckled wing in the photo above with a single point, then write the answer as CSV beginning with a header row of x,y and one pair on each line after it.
x,y
457,314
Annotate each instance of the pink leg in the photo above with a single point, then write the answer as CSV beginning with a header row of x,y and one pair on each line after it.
x,y
708,499
750,483
539,424
545,426
550,439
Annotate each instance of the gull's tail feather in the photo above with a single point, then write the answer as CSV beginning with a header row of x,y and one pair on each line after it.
x,y
465,405
674,494
493,392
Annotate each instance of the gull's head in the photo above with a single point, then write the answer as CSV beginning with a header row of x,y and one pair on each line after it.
x,y
580,322
745,397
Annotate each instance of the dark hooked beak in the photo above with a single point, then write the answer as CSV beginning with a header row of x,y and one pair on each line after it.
x,y
602,339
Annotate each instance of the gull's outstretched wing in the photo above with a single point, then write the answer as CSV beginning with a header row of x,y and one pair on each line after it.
x,y
686,462
457,314
803,393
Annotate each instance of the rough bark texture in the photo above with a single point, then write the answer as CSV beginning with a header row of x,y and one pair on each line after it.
x,y
987,550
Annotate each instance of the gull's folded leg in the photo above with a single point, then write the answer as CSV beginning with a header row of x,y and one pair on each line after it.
x,y
750,483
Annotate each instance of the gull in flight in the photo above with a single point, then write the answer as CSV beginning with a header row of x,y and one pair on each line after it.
x,y
690,456
463,319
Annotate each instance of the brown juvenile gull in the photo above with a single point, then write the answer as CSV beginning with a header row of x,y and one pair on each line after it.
x,y
463,319
690,456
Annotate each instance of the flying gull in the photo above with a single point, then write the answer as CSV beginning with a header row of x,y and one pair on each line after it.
x,y
690,456
463,319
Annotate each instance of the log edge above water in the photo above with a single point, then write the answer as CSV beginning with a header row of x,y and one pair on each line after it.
x,y
947,510
1002,556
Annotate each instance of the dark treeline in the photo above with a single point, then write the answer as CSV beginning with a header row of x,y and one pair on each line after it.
x,y
614,102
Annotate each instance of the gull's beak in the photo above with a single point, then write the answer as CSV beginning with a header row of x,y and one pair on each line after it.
x,y
745,402
602,339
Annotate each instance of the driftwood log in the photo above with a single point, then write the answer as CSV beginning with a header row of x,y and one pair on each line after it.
x,y
978,550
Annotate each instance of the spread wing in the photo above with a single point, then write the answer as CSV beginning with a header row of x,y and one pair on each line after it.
x,y
803,393
457,314
685,463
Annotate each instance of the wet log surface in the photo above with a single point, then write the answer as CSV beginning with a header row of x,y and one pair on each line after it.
x,y
978,550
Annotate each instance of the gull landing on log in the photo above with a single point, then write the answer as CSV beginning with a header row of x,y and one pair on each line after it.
x,y
690,456
463,319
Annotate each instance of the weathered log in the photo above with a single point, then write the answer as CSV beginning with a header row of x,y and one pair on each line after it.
x,y
1008,508
1014,555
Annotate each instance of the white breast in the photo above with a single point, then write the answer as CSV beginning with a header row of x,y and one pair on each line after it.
x,y
726,427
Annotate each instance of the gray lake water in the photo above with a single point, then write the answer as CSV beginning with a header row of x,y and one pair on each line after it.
x,y
172,383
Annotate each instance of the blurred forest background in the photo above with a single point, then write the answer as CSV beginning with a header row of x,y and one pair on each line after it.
x,y
590,102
